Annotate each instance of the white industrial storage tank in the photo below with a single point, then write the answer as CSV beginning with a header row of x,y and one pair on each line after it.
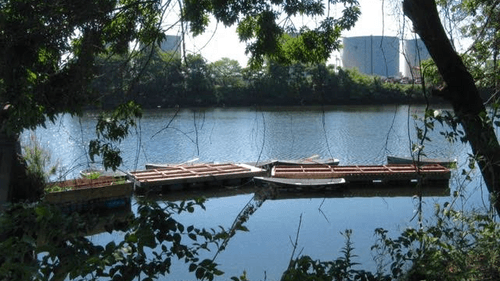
x,y
374,55
414,51
171,43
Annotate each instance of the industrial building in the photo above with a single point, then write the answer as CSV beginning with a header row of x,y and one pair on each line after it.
x,y
373,55
414,51
171,43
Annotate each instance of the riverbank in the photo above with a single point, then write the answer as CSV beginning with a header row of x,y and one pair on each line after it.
x,y
413,97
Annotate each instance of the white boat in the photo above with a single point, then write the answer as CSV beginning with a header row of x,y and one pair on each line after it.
x,y
310,184
159,166
308,161
312,160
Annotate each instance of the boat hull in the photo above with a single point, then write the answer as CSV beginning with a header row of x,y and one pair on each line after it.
x,y
423,161
300,183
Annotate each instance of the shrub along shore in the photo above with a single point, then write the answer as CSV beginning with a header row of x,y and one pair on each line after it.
x,y
167,81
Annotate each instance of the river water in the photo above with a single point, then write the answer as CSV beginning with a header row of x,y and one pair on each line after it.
x,y
353,134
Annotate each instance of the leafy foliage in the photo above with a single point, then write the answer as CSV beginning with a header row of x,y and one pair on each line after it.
x,y
169,81
49,50
41,243
112,128
37,172
431,73
305,268
484,28
457,247
264,26
38,161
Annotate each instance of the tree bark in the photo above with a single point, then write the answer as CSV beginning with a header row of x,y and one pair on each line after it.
x,y
7,148
460,91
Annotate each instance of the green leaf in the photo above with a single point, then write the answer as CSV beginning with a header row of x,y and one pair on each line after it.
x,y
200,272
192,236
131,238
241,228
177,238
192,267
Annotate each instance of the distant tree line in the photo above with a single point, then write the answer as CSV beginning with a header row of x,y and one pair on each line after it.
x,y
161,79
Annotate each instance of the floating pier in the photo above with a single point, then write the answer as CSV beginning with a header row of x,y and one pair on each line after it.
x,y
180,176
89,194
395,173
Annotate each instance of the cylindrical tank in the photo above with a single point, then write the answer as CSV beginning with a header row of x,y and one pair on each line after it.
x,y
374,55
414,51
171,43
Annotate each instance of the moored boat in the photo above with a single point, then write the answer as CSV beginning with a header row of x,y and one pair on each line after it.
x,y
449,163
307,184
308,161
160,166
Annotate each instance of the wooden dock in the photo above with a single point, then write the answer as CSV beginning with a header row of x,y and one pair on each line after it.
x,y
179,176
90,194
396,173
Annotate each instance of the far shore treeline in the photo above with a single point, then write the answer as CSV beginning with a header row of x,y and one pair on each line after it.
x,y
158,79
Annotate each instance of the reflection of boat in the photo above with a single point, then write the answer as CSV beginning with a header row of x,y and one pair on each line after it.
x,y
309,184
196,193
423,160
360,191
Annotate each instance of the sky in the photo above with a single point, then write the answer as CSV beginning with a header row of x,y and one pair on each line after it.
x,y
219,42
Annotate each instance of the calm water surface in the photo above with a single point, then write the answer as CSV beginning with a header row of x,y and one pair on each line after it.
x,y
355,135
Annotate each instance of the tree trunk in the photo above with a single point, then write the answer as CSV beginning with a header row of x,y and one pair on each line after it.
x,y
7,154
461,91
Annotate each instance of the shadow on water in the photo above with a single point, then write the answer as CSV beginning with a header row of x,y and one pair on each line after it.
x,y
118,218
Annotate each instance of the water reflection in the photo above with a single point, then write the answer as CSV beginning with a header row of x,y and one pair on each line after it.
x,y
274,193
249,214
